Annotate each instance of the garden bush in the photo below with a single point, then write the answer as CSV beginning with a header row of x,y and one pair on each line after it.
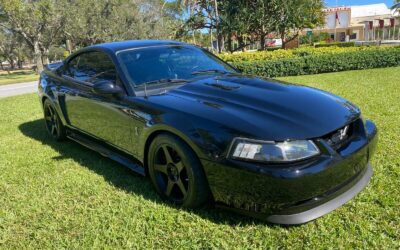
x,y
311,62
303,51
337,44
259,55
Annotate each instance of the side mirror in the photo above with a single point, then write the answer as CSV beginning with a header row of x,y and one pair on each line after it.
x,y
107,88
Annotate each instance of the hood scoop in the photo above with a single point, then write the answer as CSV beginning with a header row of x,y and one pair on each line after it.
x,y
223,85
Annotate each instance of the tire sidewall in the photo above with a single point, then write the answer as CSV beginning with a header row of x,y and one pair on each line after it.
x,y
60,127
188,158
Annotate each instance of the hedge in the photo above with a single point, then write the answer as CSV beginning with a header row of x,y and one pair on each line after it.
x,y
300,52
322,63
342,44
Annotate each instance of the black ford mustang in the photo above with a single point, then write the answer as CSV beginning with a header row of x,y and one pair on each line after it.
x,y
204,132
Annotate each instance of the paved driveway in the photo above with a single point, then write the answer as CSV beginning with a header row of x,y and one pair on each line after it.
x,y
18,89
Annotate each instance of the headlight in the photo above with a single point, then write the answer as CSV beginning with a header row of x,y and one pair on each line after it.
x,y
287,151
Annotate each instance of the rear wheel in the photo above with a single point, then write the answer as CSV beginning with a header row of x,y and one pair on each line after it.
x,y
176,172
53,122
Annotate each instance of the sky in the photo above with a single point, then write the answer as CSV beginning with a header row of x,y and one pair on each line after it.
x,y
332,3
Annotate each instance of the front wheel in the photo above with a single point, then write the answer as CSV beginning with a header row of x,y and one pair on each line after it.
x,y
176,172
53,122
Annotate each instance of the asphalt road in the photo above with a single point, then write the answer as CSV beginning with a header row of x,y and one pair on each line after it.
x,y
18,89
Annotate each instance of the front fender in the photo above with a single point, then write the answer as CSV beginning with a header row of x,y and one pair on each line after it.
x,y
196,132
47,90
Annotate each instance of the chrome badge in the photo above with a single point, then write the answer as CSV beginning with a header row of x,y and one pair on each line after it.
x,y
339,136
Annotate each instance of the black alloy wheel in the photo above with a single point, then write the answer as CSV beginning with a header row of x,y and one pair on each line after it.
x,y
53,123
176,172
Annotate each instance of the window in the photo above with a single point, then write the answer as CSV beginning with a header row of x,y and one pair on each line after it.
x,y
342,36
353,36
91,67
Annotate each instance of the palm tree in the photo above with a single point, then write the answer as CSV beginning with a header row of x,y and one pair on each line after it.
x,y
396,5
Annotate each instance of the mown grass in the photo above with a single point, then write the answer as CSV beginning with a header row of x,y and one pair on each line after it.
x,y
61,195
18,76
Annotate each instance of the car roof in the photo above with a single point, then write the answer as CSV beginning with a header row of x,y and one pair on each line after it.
x,y
123,45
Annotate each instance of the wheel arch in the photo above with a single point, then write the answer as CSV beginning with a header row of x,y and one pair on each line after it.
x,y
56,105
171,131
185,139
43,99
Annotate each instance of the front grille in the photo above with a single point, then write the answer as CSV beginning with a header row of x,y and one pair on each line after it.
x,y
342,136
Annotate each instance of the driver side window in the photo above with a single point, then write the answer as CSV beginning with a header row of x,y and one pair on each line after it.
x,y
91,67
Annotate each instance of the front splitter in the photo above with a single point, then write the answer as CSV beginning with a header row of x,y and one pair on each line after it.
x,y
329,206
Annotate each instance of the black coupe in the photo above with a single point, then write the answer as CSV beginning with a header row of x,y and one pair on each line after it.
x,y
204,132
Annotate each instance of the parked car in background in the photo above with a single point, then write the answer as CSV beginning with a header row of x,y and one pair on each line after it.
x,y
203,132
274,42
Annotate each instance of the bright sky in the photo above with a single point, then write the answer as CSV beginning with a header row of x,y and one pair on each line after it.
x,y
332,3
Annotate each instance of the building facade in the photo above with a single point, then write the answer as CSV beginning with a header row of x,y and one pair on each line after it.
x,y
361,23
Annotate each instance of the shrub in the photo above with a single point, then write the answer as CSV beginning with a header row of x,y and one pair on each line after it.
x,y
337,44
314,63
280,53
259,55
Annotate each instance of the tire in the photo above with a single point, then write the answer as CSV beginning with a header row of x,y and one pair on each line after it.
x,y
176,172
54,126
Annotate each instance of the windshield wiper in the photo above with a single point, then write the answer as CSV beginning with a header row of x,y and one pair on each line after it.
x,y
210,71
160,82
165,81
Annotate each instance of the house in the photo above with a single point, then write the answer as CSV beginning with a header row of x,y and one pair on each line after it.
x,y
361,23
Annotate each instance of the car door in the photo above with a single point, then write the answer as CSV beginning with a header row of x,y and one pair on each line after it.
x,y
101,116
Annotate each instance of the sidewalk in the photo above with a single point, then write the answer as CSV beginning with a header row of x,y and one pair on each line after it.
x,y
18,89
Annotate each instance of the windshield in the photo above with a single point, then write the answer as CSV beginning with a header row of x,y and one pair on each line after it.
x,y
153,65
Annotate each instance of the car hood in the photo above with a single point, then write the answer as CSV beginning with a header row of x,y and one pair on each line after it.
x,y
263,108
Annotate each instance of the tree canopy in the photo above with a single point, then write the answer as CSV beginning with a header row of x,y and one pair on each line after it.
x,y
43,25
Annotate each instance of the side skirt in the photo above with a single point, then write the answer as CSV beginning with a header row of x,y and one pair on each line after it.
x,y
105,151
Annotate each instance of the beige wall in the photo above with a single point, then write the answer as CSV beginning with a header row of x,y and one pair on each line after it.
x,y
359,30
349,25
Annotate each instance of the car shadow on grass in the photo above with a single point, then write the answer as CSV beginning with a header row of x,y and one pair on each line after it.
x,y
123,178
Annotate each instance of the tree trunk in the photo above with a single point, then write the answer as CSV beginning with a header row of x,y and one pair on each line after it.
x,y
262,42
12,63
194,37
286,41
45,55
1,65
37,54
19,63
219,35
45,59
221,44
230,43
283,38
68,45
241,43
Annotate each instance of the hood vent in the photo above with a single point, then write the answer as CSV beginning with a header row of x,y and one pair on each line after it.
x,y
222,86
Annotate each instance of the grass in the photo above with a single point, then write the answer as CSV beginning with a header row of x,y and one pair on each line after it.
x,y
61,195
18,76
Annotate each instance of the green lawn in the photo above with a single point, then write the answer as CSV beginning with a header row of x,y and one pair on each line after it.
x,y
18,77
61,195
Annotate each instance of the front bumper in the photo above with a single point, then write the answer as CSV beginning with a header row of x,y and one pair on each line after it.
x,y
296,193
324,208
